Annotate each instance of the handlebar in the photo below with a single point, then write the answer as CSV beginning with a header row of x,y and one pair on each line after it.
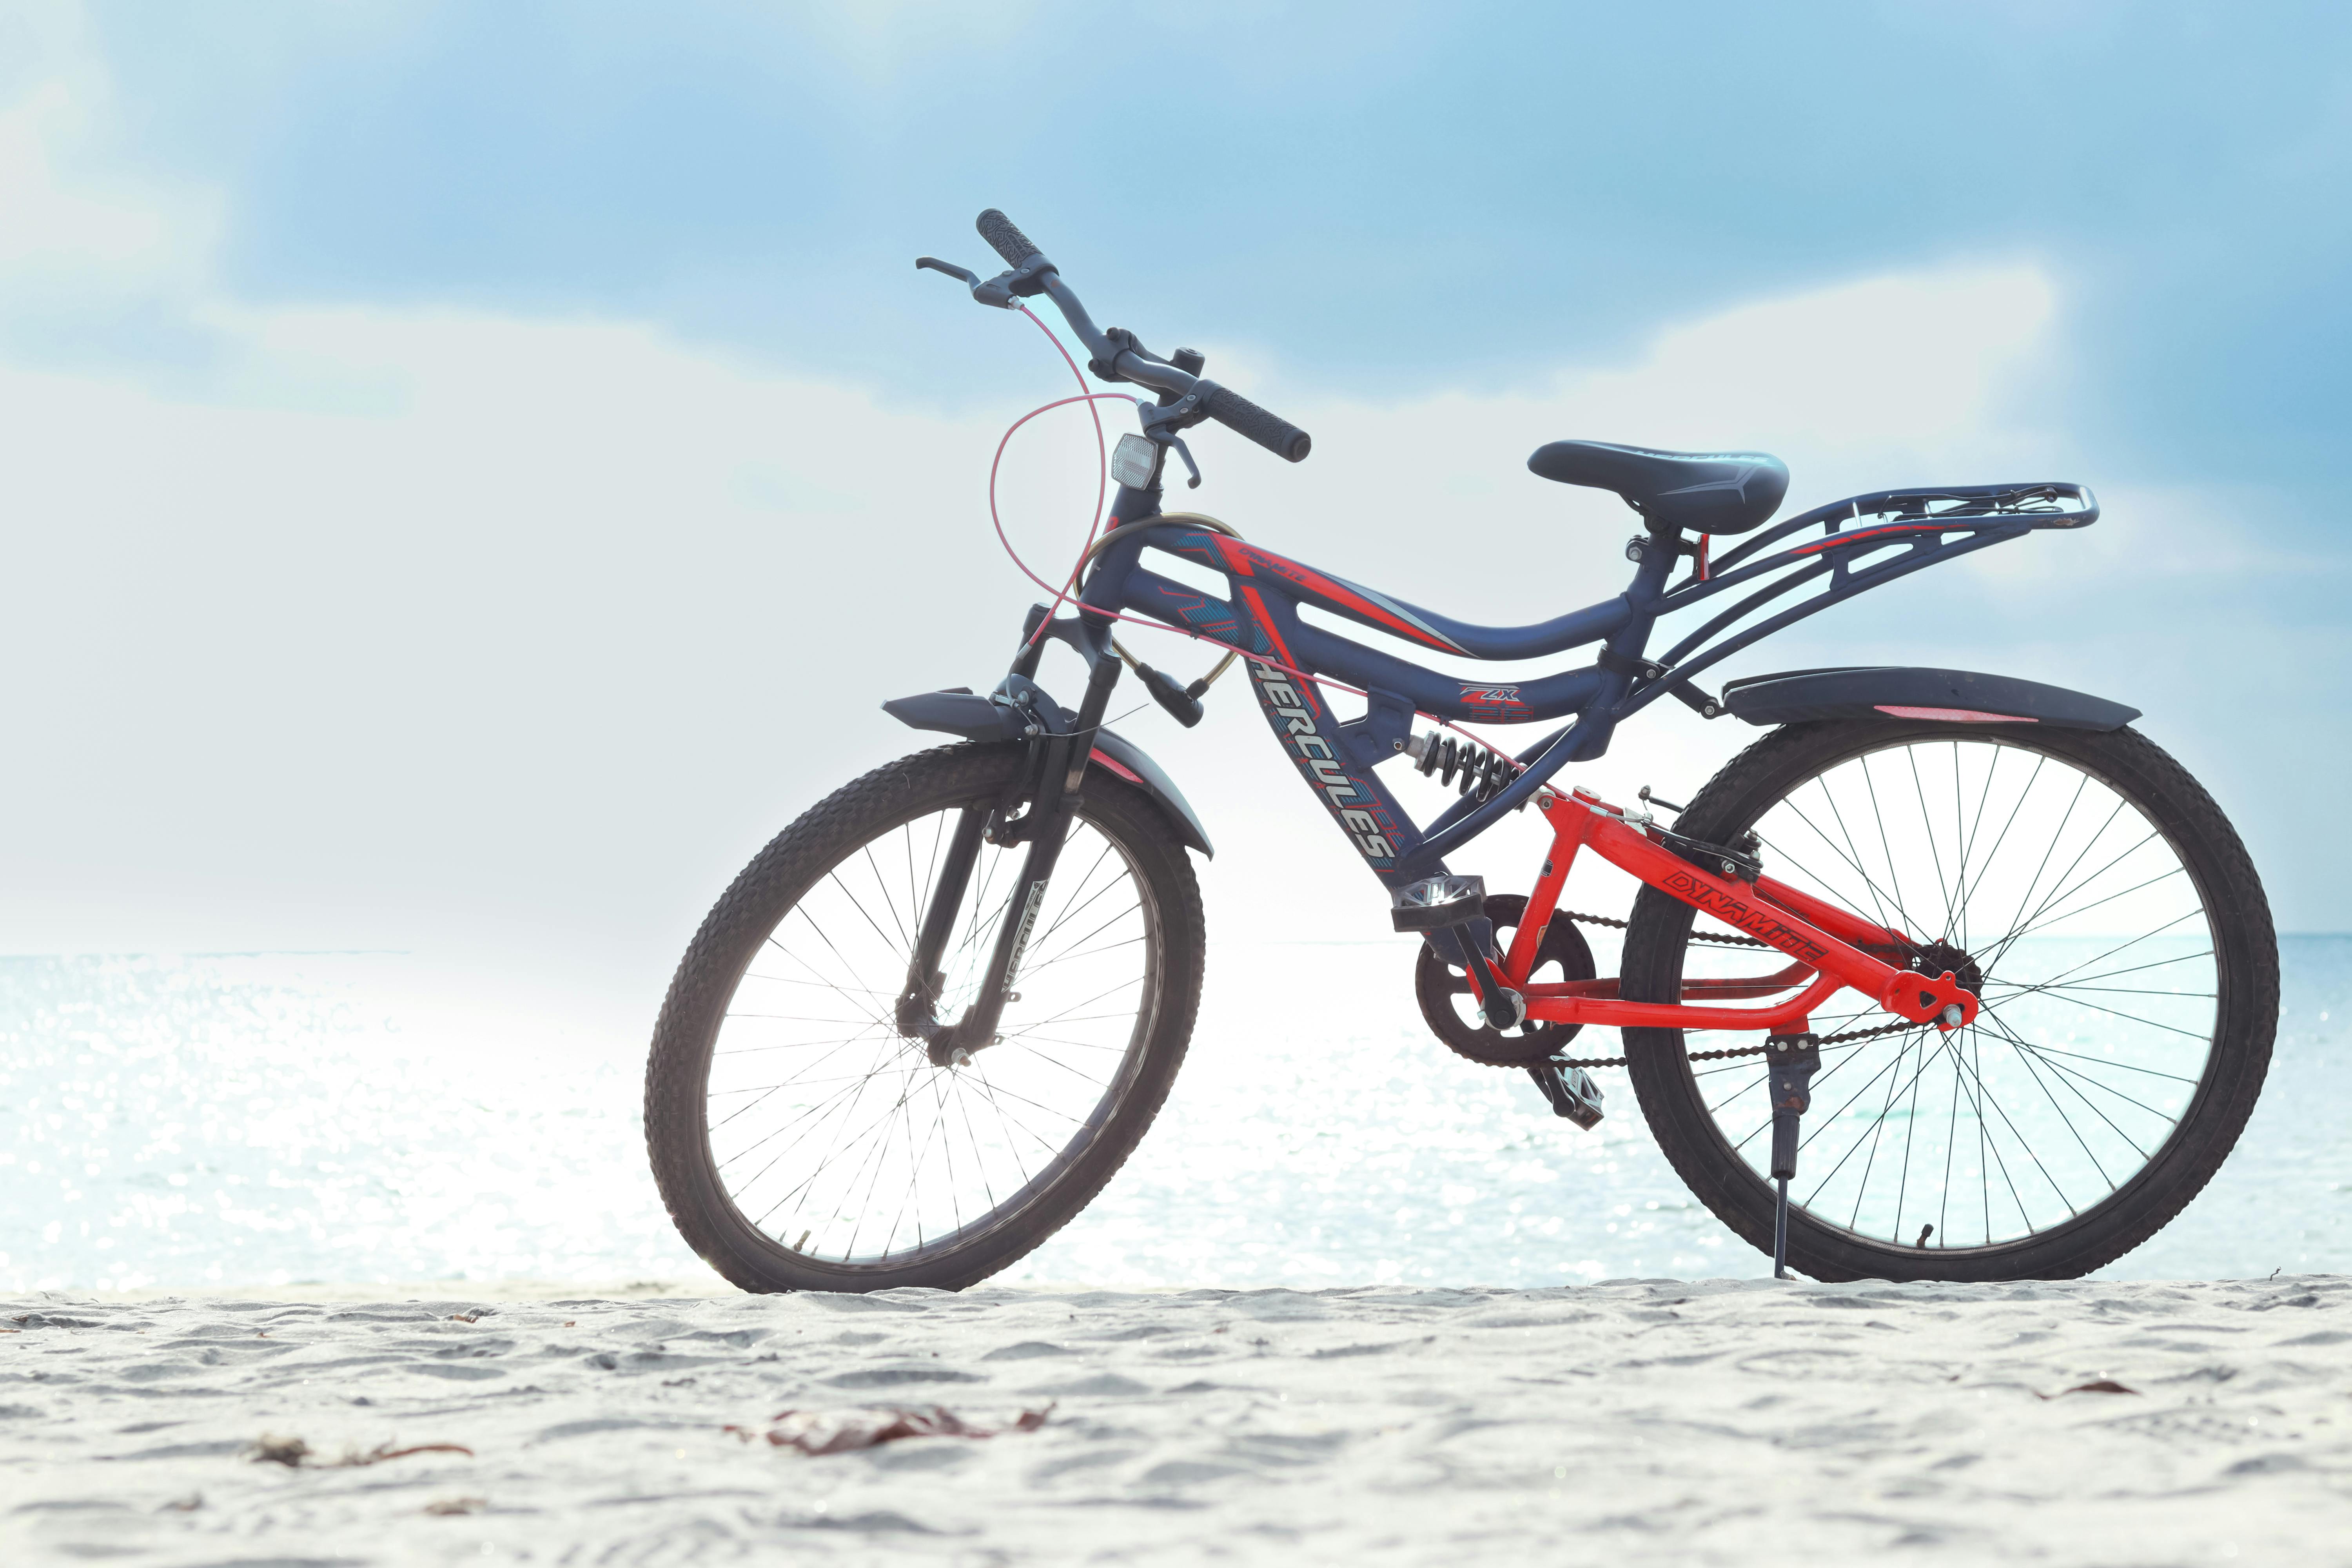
x,y
1007,240
1188,399
1270,431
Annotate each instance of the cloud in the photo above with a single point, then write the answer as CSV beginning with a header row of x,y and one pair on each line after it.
x,y
98,264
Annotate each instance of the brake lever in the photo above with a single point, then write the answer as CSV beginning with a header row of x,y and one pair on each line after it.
x,y
1186,453
971,278
997,291
1002,290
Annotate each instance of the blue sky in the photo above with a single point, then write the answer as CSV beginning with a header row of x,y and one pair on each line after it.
x,y
1408,195
347,313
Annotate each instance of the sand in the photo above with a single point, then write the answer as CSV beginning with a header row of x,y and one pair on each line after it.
x,y
1633,1422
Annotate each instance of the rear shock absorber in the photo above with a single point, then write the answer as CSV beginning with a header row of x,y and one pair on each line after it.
x,y
1481,770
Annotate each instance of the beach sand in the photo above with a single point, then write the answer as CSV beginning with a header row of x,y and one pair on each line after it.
x,y
1633,1421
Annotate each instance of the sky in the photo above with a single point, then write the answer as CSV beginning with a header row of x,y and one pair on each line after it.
x,y
473,470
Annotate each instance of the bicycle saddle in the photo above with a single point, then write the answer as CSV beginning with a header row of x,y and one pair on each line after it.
x,y
1705,493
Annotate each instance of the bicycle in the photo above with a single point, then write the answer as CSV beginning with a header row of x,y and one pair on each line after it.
x,y
2009,941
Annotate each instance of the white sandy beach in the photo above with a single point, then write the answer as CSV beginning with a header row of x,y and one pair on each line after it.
x,y
1628,1421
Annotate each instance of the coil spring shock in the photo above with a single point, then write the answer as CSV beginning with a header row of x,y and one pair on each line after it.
x,y
1483,771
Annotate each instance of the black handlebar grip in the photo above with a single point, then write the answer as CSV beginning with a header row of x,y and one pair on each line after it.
x,y
1010,242
1270,431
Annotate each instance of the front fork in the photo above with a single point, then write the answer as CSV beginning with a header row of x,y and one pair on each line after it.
x,y
1056,765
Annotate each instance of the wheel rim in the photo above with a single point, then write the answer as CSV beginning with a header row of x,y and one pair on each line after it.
x,y
2101,992
834,1137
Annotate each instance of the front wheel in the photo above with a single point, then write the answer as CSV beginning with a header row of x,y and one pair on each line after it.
x,y
803,1141
2106,916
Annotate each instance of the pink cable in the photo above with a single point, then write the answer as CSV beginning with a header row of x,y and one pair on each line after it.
x,y
1062,594
1102,461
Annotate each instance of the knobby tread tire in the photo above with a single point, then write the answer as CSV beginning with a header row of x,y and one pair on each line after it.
x,y
766,889
2246,958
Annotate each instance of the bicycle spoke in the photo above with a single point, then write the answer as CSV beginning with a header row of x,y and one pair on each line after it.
x,y
2059,978
1919,792
889,902
1877,1127
2111,898
776,1089
2024,792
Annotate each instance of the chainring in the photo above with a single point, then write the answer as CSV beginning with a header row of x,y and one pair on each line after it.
x,y
1439,987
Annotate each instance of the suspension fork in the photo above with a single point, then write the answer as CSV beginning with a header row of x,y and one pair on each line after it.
x,y
1056,767
918,1000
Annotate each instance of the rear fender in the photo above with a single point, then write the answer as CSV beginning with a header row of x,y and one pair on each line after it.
x,y
1951,695
977,718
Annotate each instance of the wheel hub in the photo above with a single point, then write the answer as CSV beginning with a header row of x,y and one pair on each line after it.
x,y
1938,957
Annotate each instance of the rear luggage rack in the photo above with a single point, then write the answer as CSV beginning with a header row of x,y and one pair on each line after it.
x,y
2043,505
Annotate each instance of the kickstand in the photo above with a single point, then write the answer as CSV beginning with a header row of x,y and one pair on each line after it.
x,y
1781,1224
1794,1059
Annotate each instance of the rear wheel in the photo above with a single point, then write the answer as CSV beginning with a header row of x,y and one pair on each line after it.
x,y
804,1142
2108,918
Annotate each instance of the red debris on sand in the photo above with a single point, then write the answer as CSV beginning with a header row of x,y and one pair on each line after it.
x,y
839,1431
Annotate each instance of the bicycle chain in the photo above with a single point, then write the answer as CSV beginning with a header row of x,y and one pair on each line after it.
x,y
1695,936
1737,1051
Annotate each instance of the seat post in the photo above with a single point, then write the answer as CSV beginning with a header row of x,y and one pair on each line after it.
x,y
1621,657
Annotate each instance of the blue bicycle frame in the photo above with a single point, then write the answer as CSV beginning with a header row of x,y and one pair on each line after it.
x,y
1867,541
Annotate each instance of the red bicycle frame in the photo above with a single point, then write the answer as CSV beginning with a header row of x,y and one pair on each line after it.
x,y
1829,944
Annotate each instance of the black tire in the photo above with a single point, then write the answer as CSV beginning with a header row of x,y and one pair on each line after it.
x,y
818,862
2124,1044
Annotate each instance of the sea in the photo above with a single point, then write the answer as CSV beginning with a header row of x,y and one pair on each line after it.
x,y
253,1120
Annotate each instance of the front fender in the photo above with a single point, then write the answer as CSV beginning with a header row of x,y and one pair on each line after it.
x,y
957,712
1124,758
1953,696
975,718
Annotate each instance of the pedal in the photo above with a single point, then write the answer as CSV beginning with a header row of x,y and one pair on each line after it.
x,y
1571,1091
1434,903
1791,1062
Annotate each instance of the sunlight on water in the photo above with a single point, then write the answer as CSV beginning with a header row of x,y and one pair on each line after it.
x,y
267,1119
285,1118
1368,1152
